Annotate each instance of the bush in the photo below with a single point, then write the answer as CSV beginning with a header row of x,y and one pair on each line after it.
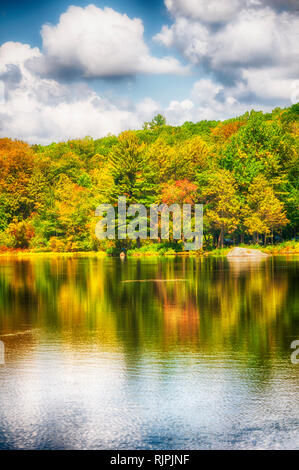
x,y
21,232
6,239
56,244
38,243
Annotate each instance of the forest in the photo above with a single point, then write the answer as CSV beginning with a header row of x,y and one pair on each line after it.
x,y
244,170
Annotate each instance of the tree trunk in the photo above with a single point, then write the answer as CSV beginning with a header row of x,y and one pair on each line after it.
x,y
220,239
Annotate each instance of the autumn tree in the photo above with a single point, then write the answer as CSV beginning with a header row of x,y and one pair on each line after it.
x,y
224,131
16,167
218,191
179,192
245,170
22,232
157,121
125,161
265,212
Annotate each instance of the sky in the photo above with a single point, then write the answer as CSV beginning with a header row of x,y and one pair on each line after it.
x,y
69,69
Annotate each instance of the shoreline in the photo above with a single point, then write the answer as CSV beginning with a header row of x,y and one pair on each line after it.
x,y
270,250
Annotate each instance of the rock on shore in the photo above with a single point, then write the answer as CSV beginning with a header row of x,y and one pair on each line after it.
x,y
248,253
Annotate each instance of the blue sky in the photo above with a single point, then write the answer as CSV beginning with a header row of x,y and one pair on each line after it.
x,y
75,68
22,20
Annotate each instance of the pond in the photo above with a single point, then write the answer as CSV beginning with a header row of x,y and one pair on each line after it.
x,y
152,353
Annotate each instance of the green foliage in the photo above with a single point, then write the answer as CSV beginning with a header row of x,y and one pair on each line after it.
x,y
245,171
21,233
157,121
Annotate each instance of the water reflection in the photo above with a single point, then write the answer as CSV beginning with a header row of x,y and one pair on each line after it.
x,y
161,353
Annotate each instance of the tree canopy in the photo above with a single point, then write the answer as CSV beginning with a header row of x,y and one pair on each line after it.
x,y
244,171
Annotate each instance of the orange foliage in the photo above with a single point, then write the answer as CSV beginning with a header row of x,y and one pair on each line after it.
x,y
16,165
224,131
179,192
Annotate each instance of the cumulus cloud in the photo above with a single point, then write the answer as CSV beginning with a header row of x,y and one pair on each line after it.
x,y
209,100
254,44
213,11
93,42
40,110
179,112
219,11
247,52
256,38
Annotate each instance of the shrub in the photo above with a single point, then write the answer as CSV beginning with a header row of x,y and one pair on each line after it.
x,y
21,232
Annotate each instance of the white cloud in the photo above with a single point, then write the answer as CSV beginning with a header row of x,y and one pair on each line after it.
x,y
253,46
212,11
222,11
179,112
16,53
94,42
269,84
191,38
214,101
251,37
209,100
41,110
256,38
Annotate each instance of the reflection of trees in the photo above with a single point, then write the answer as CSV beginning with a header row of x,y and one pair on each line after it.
x,y
215,307
242,307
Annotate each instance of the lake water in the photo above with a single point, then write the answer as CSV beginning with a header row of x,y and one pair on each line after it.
x,y
177,353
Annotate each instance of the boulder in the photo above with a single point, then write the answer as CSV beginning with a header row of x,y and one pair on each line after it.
x,y
246,253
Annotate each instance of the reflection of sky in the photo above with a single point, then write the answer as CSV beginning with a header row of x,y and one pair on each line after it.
x,y
55,396
95,362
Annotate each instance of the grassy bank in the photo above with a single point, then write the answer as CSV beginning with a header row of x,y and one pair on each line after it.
x,y
159,249
289,247
284,248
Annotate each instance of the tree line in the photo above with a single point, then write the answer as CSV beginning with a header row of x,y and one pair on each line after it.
x,y
244,170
